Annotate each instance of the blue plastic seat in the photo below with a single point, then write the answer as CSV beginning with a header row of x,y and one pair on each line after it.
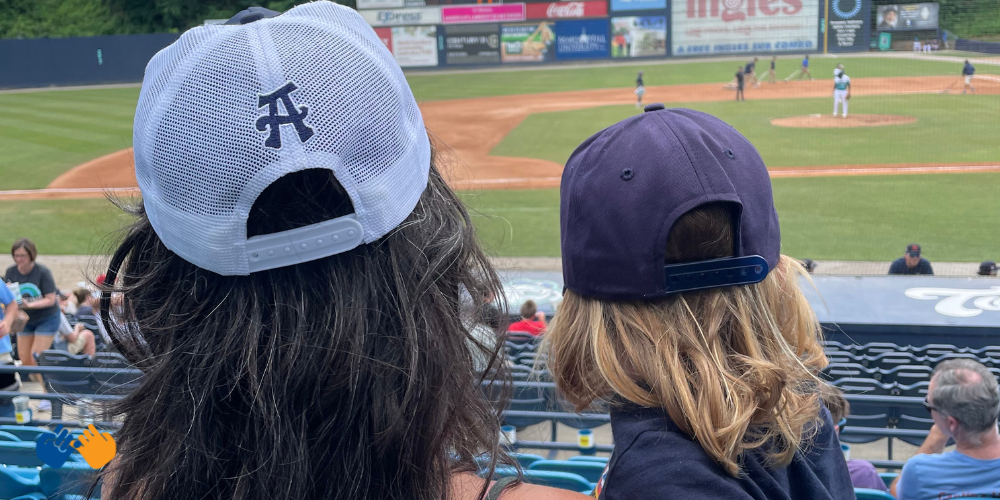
x,y
33,496
561,480
526,459
587,458
23,432
73,478
888,477
870,494
114,383
591,471
21,454
14,483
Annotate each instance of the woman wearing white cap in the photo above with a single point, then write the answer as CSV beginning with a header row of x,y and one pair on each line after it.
x,y
292,284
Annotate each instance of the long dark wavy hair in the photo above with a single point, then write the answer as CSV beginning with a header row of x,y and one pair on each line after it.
x,y
345,377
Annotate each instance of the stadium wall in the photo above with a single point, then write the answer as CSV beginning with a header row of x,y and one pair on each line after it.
x,y
46,62
977,46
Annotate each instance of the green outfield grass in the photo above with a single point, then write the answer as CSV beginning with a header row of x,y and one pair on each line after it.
x,y
43,134
949,128
832,218
429,86
74,227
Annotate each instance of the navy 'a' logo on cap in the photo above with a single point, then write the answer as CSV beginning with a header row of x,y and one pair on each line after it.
x,y
273,121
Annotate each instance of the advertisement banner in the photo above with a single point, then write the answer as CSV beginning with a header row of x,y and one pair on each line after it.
x,y
568,10
850,25
582,39
496,13
700,27
910,17
476,44
638,36
531,42
385,34
620,5
401,17
415,46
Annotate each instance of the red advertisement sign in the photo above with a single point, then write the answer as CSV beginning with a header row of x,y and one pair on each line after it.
x,y
568,10
385,34
482,13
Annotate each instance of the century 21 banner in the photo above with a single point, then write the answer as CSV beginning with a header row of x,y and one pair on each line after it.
x,y
744,26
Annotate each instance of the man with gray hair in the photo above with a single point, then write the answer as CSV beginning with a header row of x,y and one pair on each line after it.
x,y
964,401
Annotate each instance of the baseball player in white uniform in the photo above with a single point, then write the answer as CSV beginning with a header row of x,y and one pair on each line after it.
x,y
841,89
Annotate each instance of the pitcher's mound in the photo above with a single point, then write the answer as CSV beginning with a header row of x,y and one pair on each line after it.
x,y
829,121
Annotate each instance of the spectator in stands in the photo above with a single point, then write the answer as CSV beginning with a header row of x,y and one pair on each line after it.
x,y
8,313
911,262
343,372
85,323
964,401
38,299
532,320
809,265
988,268
863,473
681,312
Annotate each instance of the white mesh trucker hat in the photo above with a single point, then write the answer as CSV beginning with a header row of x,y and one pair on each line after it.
x,y
228,109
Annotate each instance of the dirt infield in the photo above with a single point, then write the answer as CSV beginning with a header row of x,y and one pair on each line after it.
x,y
465,130
830,121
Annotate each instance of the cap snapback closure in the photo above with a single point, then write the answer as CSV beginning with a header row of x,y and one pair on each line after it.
x,y
714,273
304,244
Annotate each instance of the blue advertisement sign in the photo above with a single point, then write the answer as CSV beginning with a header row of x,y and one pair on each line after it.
x,y
582,39
620,5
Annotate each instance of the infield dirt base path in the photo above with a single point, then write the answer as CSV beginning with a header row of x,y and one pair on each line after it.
x,y
465,130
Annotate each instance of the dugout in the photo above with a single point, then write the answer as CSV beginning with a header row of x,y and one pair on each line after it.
x,y
904,310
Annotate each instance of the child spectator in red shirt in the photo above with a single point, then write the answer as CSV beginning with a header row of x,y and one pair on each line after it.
x,y
532,321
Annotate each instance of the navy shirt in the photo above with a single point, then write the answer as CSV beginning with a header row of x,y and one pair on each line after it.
x,y
739,78
750,67
772,64
638,81
899,267
968,69
653,459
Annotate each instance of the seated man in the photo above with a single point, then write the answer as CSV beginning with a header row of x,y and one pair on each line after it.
x,y
911,263
964,403
532,321
88,333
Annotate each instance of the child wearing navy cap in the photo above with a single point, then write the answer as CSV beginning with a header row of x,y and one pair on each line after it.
x,y
681,312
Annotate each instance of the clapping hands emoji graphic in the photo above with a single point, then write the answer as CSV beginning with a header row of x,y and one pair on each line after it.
x,y
97,448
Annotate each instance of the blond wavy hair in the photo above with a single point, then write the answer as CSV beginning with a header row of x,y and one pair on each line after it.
x,y
733,367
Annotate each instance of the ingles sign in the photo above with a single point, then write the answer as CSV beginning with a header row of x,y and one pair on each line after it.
x,y
744,26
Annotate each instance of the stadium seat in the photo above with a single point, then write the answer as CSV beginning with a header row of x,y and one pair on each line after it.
x,y
586,458
591,471
23,432
6,436
561,480
20,454
988,362
114,383
33,496
73,478
66,383
526,398
14,484
887,360
888,477
526,459
905,374
837,371
521,337
869,494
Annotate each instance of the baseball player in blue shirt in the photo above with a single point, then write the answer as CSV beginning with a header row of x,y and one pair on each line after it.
x,y
967,71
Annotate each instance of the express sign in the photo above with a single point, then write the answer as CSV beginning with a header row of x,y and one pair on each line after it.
x,y
567,10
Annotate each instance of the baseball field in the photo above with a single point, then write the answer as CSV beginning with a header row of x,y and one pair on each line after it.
x,y
854,189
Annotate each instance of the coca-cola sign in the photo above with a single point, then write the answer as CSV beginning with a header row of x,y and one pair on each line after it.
x,y
567,10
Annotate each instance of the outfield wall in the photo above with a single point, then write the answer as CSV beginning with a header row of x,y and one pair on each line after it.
x,y
423,34
46,62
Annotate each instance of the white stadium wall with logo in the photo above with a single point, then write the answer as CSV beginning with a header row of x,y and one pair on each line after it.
x,y
692,28
706,27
